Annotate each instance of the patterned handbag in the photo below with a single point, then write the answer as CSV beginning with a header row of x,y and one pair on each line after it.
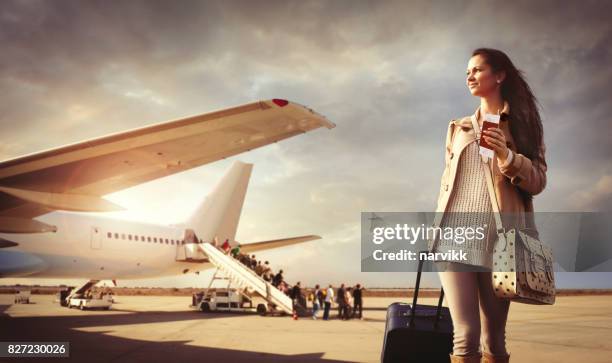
x,y
522,265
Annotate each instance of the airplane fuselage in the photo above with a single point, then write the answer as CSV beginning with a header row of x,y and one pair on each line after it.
x,y
86,246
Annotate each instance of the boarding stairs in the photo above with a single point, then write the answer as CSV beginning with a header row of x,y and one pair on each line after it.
x,y
226,284
243,277
81,289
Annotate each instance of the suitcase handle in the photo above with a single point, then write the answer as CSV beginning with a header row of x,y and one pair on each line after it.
x,y
416,295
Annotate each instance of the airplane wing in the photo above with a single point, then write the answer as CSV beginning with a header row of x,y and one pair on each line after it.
x,y
266,245
74,177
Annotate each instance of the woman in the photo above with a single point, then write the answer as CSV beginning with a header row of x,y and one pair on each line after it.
x,y
519,172
348,307
314,297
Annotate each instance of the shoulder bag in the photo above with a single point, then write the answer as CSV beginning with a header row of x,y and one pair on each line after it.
x,y
522,265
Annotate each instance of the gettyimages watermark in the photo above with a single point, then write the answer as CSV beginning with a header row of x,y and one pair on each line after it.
x,y
397,241
411,234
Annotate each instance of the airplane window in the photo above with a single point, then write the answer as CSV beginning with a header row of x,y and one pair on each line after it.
x,y
167,241
142,238
109,235
155,239
130,237
117,235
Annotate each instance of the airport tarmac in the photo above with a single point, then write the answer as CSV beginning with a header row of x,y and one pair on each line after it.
x,y
152,328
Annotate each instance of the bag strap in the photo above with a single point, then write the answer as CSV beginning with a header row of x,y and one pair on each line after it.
x,y
487,171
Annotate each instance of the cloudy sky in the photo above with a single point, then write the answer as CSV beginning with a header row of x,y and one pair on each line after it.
x,y
391,75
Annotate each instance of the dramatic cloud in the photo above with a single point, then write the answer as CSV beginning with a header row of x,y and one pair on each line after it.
x,y
389,74
598,197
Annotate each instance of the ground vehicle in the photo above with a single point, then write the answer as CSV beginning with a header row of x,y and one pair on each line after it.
x,y
22,297
223,300
103,302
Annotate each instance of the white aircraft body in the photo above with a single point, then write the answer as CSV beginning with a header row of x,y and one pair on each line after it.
x,y
45,230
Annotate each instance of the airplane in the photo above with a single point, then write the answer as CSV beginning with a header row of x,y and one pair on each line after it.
x,y
45,197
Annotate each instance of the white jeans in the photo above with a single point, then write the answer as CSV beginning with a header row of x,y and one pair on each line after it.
x,y
479,317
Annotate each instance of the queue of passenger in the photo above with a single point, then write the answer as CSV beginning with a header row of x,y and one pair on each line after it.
x,y
261,269
348,299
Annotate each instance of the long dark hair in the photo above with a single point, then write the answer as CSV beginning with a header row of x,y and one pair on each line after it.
x,y
525,122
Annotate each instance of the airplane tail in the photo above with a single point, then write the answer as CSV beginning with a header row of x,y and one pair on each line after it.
x,y
219,213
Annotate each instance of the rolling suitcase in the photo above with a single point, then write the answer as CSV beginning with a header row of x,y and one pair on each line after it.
x,y
418,333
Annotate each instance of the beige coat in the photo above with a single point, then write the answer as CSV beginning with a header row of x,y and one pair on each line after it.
x,y
529,175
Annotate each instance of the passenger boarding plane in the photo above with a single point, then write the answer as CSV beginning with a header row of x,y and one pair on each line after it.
x,y
45,230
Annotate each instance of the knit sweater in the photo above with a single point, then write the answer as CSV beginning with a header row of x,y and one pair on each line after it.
x,y
469,195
